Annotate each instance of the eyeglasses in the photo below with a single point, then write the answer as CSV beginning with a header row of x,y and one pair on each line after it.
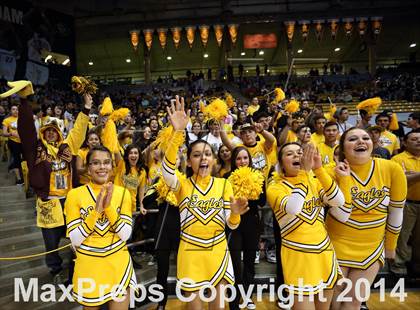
x,y
97,163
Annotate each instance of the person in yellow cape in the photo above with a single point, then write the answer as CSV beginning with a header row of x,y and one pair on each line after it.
x,y
99,222
49,161
206,206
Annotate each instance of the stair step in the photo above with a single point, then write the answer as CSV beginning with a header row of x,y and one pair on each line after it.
x,y
7,224
5,232
16,215
11,244
17,204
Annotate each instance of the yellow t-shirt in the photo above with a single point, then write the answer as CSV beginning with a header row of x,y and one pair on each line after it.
x,y
272,155
291,136
317,139
132,181
252,109
389,141
260,157
327,154
11,125
410,163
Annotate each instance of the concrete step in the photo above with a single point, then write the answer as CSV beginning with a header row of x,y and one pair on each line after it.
x,y
16,215
12,193
7,205
11,244
17,222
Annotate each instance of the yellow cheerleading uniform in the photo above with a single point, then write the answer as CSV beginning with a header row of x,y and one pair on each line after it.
x,y
83,178
154,171
327,154
389,141
306,250
132,181
378,189
11,124
317,139
204,207
101,253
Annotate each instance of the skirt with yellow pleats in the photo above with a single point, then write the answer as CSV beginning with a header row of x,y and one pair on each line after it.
x,y
308,273
199,267
97,280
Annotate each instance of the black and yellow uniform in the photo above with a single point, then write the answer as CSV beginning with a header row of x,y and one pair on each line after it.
x,y
306,250
378,190
204,206
100,243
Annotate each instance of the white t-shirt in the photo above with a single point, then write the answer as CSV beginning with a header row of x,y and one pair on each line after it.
x,y
215,142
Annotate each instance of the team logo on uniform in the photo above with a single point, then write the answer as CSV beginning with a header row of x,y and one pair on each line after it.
x,y
366,200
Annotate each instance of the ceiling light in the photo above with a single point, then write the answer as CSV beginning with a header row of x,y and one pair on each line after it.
x,y
90,63
413,45
337,49
300,51
65,62
243,54
261,53
169,58
128,60
206,55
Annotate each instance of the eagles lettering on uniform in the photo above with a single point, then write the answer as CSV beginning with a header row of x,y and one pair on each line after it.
x,y
378,191
298,204
100,242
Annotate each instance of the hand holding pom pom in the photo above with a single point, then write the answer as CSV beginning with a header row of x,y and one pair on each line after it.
x,y
238,206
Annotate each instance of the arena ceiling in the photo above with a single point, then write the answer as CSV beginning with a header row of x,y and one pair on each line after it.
x,y
102,31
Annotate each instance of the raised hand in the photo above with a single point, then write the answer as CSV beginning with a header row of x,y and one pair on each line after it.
x,y
238,206
342,169
306,162
87,101
179,119
317,159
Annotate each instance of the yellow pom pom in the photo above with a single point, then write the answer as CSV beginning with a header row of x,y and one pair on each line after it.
x,y
120,114
109,136
246,183
164,192
279,93
393,125
82,85
292,106
370,105
163,138
217,109
330,115
229,100
107,107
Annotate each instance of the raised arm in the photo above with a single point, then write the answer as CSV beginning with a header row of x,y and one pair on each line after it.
x,y
179,120
225,139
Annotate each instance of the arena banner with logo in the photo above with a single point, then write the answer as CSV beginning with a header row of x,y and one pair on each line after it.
x,y
266,40
24,32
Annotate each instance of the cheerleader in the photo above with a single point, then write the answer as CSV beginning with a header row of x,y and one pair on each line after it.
x,y
245,238
92,140
131,173
99,224
206,205
297,199
378,188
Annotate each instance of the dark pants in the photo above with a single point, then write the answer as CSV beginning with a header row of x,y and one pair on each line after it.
x,y
277,241
16,156
52,237
166,241
244,239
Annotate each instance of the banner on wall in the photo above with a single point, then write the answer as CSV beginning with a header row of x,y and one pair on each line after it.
x,y
266,40
7,65
25,31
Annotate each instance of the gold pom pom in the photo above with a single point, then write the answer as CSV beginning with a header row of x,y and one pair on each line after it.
x,y
393,125
292,106
330,115
107,107
163,138
279,93
82,85
229,100
164,192
370,105
120,114
217,109
247,183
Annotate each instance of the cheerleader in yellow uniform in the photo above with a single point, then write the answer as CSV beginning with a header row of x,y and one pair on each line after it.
x,y
98,217
298,200
378,188
132,174
206,206
92,140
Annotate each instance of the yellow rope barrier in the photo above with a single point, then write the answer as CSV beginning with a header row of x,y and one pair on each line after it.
x,y
35,255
